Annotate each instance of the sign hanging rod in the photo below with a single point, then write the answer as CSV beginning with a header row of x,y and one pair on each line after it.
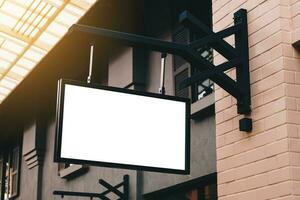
x,y
89,79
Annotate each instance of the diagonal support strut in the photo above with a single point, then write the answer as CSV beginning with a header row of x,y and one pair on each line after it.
x,y
237,57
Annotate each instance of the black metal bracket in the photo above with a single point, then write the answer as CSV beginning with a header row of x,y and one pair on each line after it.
x,y
237,56
109,188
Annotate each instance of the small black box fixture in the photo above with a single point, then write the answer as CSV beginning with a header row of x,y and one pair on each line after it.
x,y
246,124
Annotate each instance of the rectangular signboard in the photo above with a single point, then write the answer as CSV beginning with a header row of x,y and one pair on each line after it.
x,y
122,128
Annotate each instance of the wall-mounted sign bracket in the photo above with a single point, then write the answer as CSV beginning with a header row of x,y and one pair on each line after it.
x,y
237,56
103,196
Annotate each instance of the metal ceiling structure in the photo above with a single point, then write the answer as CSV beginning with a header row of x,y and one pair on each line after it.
x,y
29,29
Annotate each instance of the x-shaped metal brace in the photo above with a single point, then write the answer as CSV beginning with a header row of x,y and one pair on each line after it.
x,y
237,56
115,189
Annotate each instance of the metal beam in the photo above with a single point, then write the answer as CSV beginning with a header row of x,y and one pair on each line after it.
x,y
242,71
197,26
210,39
110,188
203,75
132,39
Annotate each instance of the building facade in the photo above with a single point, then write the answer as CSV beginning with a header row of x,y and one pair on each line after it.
x,y
225,162
262,164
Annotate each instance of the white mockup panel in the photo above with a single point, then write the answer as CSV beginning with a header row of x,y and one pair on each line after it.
x,y
114,127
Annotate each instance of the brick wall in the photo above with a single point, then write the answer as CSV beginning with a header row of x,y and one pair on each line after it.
x,y
295,10
263,164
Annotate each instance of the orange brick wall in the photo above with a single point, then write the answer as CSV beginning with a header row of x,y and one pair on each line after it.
x,y
263,164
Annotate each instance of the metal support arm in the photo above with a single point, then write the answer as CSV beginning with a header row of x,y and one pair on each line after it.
x,y
237,55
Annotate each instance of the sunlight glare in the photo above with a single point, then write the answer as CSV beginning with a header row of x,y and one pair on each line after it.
x,y
29,29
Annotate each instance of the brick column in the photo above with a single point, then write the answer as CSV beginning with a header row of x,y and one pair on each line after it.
x,y
263,164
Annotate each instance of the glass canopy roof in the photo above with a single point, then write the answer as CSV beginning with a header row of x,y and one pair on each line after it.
x,y
29,29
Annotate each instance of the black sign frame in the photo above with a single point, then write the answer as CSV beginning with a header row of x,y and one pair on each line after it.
x,y
59,124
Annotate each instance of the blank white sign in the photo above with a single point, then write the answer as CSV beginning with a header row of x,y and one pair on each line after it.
x,y
115,127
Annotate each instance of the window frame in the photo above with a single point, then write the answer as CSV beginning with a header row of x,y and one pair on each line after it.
x,y
2,175
8,172
16,172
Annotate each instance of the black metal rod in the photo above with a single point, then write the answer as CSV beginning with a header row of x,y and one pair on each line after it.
x,y
76,194
132,39
103,197
197,26
202,76
242,71
223,80
110,188
209,39
108,191
126,187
